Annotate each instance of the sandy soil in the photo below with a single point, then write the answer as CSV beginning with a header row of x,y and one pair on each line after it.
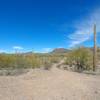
x,y
56,84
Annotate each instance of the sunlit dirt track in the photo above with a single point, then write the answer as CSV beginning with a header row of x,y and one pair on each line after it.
x,y
56,84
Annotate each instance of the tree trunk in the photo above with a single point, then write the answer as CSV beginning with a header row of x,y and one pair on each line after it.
x,y
94,49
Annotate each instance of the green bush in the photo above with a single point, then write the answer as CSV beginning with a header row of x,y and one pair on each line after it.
x,y
14,61
81,58
17,61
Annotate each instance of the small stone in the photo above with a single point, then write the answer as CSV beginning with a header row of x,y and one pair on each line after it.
x,y
96,92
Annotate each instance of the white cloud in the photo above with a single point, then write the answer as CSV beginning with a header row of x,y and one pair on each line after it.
x,y
46,50
18,47
2,51
84,29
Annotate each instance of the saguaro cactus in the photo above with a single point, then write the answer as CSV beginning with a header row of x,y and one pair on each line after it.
x,y
94,49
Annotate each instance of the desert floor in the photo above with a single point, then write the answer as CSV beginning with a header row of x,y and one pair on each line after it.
x,y
56,84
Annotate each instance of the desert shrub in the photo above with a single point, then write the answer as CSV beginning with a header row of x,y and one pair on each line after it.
x,y
81,58
18,61
98,54
54,59
21,62
33,61
6,61
47,66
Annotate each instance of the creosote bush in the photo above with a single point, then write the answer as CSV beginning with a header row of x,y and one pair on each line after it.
x,y
18,61
80,58
11,61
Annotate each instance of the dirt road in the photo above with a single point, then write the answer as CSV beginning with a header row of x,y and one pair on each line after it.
x,y
56,84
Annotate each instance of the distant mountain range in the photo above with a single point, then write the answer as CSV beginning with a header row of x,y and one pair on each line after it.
x,y
57,51
60,50
63,50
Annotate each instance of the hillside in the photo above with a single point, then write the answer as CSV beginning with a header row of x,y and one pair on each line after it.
x,y
60,50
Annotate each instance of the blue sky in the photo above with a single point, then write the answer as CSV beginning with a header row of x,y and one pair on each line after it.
x,y
41,25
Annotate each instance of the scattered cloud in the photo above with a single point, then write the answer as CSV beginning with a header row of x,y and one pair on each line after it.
x,y
84,29
2,51
18,47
